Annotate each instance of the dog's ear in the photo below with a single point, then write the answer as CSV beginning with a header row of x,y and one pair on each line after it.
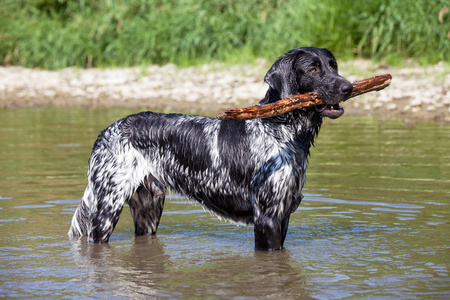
x,y
281,77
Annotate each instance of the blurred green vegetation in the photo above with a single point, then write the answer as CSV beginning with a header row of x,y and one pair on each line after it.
x,y
53,34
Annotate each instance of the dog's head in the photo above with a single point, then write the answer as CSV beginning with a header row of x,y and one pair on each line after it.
x,y
305,70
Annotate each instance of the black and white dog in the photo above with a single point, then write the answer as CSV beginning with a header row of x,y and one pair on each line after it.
x,y
247,171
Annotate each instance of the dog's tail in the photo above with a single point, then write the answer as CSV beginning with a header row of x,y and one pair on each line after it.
x,y
81,218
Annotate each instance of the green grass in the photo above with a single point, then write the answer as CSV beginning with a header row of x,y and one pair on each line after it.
x,y
53,34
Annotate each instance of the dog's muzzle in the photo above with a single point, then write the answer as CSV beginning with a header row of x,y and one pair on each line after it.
x,y
332,109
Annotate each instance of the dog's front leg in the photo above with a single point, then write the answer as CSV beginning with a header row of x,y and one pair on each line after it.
x,y
284,228
268,234
268,209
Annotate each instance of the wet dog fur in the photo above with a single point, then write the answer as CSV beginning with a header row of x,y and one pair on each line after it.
x,y
247,171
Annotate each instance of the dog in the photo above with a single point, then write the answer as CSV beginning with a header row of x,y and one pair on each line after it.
x,y
246,171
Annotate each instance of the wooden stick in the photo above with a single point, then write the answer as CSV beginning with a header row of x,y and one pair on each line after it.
x,y
302,100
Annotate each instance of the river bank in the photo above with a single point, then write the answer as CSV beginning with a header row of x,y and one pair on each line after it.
x,y
416,93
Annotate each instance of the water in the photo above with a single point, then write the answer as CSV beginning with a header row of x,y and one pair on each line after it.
x,y
373,224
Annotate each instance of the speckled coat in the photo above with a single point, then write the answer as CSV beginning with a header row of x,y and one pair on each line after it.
x,y
246,171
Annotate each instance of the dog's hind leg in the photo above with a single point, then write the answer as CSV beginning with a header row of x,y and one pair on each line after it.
x,y
146,206
115,173
104,219
96,216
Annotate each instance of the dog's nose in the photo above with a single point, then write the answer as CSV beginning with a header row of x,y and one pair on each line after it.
x,y
346,88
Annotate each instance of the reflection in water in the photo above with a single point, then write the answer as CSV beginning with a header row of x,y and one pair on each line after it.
x,y
145,270
373,223
138,270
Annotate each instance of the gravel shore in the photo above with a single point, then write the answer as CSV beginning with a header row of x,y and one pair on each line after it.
x,y
415,94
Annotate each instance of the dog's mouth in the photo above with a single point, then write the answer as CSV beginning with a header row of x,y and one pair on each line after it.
x,y
332,111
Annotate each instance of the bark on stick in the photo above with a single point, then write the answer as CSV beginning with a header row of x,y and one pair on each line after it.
x,y
301,101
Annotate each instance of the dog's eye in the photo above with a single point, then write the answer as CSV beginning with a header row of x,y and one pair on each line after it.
x,y
313,70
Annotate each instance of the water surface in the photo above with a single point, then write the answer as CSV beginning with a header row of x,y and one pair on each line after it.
x,y
373,224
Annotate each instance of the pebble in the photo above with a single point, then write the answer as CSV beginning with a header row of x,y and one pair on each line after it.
x,y
415,102
391,106
377,105
415,109
431,108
